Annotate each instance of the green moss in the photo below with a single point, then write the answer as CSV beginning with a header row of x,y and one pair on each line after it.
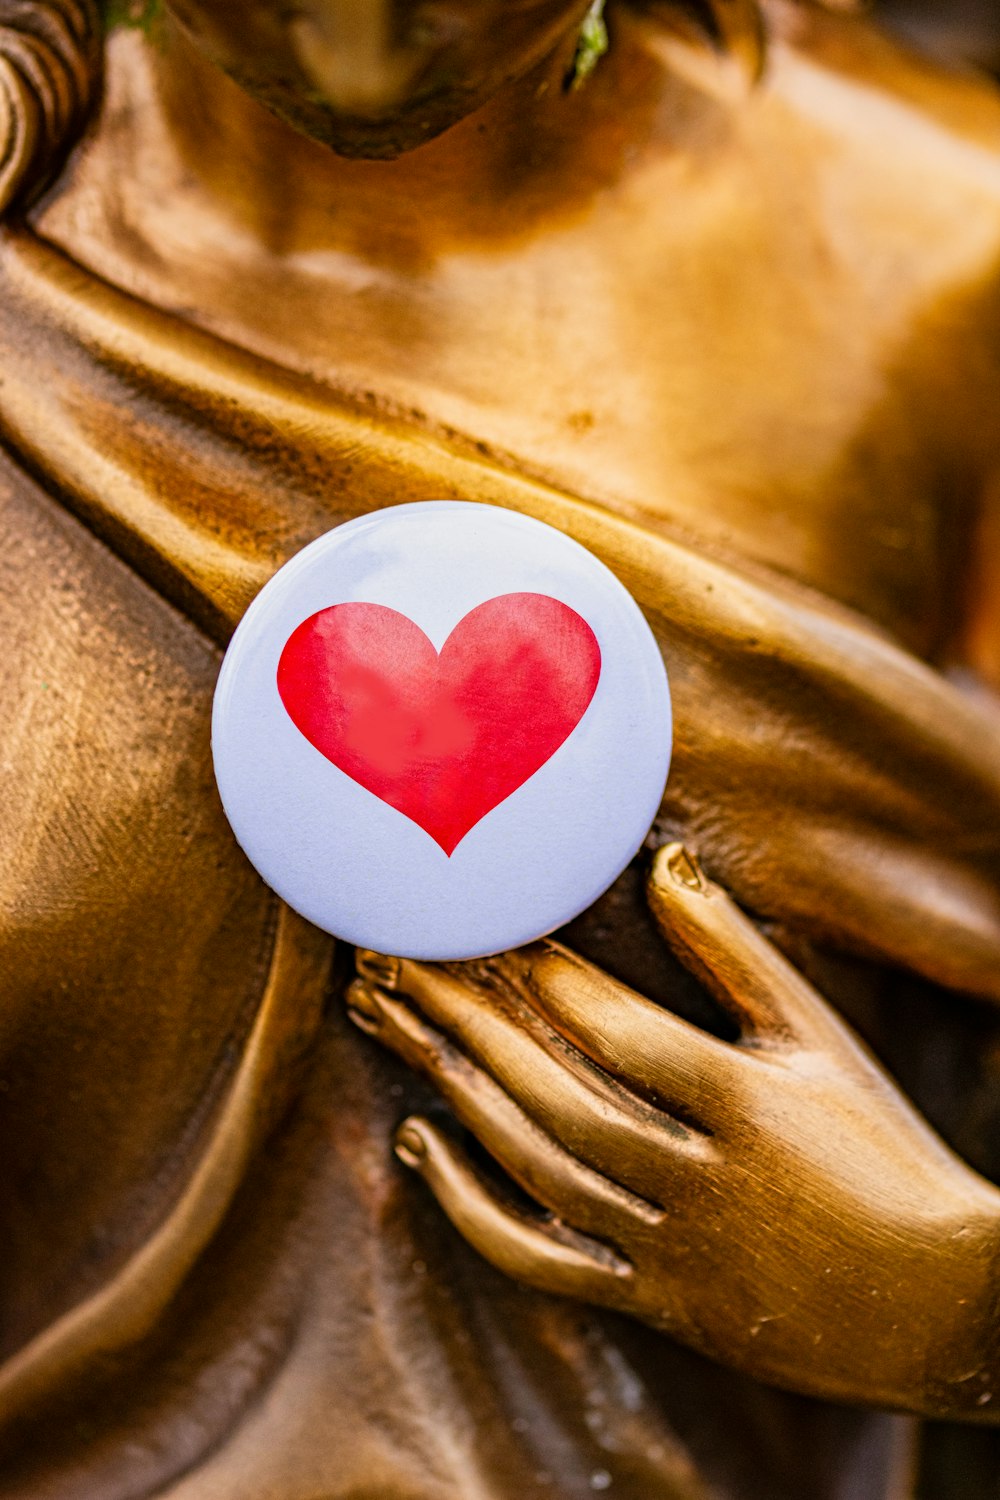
x,y
142,15
592,45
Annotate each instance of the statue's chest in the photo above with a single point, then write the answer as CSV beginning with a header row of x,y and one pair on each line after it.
x,y
775,419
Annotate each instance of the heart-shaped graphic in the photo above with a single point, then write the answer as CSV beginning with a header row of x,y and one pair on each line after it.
x,y
442,737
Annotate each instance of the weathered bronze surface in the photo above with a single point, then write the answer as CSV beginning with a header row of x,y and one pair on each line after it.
x,y
728,313
961,30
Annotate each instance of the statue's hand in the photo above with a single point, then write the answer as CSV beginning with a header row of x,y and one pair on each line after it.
x,y
774,1202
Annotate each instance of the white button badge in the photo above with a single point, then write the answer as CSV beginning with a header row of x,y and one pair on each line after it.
x,y
442,730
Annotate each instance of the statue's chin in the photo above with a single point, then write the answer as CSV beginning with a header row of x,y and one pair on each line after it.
x,y
379,138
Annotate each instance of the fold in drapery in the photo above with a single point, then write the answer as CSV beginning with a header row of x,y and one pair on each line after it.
x,y
831,780
799,726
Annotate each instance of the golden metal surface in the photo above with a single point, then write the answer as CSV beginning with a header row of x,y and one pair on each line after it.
x,y
740,338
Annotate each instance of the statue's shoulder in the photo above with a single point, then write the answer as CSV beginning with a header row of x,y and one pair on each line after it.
x,y
864,176
851,96
854,166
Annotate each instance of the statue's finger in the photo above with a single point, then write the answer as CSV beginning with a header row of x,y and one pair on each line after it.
x,y
549,1256
676,1066
551,1175
771,1002
573,1101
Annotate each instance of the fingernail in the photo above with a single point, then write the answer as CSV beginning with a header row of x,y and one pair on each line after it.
x,y
379,968
362,1007
411,1148
683,868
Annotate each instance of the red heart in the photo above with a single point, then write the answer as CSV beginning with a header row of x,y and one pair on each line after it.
x,y
442,738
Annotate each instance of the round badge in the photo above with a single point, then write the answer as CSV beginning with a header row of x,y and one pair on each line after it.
x,y
442,730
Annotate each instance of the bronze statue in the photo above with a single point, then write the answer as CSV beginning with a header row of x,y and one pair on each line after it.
x,y
716,291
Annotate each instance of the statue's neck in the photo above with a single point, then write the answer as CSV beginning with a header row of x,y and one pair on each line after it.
x,y
226,158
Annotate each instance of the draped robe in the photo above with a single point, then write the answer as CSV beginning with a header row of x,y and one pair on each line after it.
x,y
217,1282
